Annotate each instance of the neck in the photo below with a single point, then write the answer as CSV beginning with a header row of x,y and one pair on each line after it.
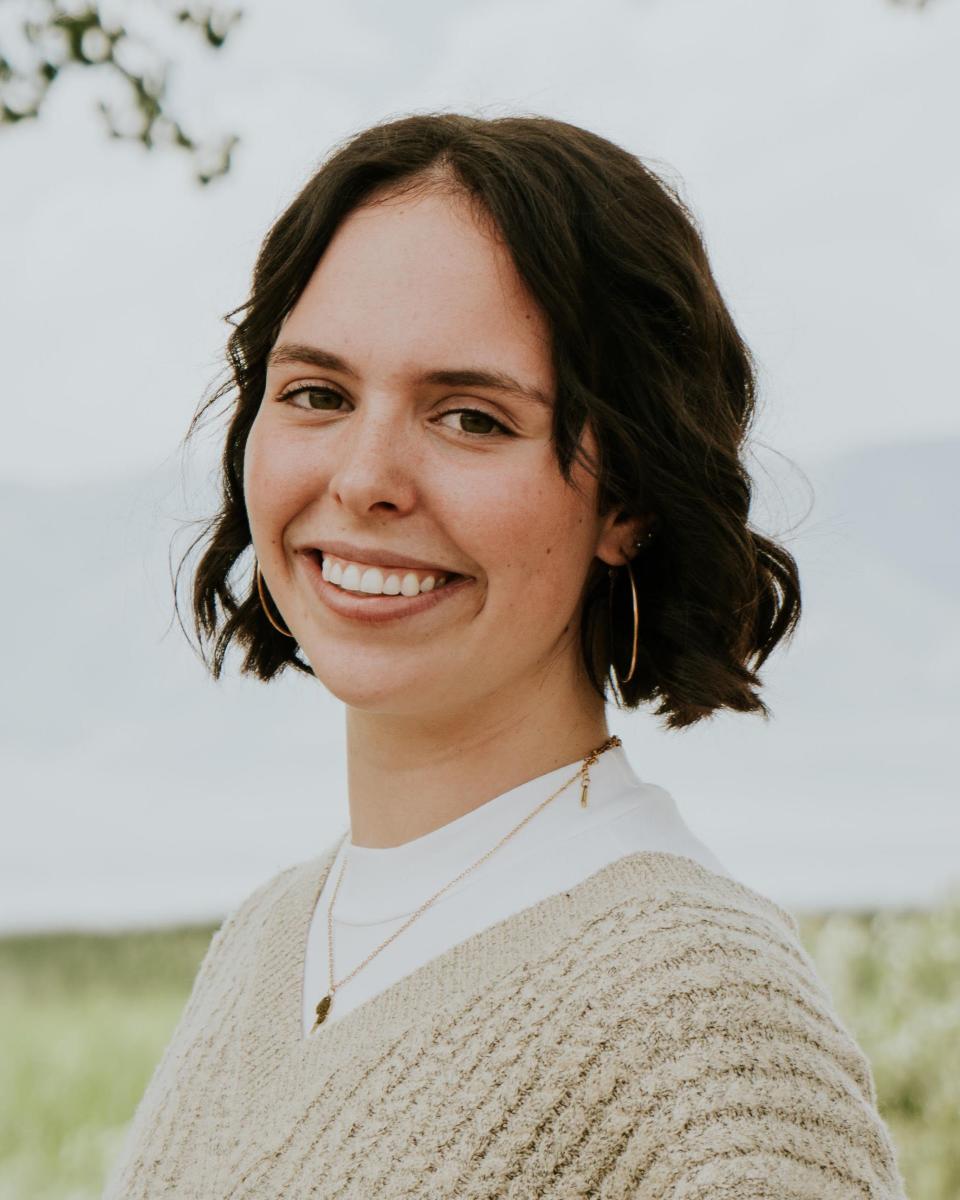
x,y
408,775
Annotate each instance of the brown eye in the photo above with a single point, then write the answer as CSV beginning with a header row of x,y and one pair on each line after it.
x,y
477,423
321,399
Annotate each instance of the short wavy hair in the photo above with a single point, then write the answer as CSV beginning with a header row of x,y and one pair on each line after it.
x,y
644,350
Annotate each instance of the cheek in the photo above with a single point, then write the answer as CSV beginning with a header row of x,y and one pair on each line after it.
x,y
258,492
533,539
272,483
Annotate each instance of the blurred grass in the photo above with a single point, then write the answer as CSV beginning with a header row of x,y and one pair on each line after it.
x,y
84,1019
895,981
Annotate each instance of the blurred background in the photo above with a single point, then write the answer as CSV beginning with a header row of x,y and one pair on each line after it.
x,y
145,148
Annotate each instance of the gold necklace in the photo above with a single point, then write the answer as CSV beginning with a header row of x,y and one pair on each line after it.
x,y
583,773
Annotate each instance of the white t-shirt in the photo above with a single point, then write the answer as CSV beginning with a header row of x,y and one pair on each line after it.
x,y
559,847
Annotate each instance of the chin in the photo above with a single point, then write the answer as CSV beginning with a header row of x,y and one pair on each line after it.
x,y
382,687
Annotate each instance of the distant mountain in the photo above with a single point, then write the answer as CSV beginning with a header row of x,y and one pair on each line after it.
x,y
903,503
140,791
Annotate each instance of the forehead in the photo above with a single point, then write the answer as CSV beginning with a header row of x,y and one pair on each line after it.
x,y
418,279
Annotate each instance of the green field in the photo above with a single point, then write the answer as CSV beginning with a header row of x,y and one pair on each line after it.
x,y
84,1018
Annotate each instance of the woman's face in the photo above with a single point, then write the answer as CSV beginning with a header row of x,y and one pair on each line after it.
x,y
387,432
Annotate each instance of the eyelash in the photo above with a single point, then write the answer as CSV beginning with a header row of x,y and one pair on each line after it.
x,y
500,430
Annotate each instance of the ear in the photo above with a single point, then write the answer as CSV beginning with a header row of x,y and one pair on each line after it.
x,y
619,534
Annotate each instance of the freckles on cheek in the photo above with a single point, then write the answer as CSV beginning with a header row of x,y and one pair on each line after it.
x,y
514,534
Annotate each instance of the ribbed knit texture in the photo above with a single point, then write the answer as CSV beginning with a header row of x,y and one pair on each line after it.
x,y
657,1032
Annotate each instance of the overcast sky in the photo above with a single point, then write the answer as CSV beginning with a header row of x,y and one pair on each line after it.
x,y
816,143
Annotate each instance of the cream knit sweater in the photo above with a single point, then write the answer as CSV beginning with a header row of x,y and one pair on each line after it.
x,y
656,1032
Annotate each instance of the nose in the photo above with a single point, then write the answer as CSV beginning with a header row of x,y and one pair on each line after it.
x,y
374,465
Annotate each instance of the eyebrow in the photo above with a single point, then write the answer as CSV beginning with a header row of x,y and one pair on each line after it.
x,y
314,356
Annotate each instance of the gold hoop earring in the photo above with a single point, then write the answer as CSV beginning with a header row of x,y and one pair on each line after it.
x,y
636,626
263,604
636,613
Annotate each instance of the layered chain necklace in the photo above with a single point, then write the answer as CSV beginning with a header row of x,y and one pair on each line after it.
x,y
582,773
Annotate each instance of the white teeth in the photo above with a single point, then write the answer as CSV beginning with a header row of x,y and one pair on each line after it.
x,y
372,582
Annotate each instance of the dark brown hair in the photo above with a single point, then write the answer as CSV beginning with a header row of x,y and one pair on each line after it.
x,y
644,350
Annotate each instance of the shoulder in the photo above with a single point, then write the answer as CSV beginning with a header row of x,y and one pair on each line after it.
x,y
734,1073
211,1007
728,963
248,915
227,960
244,923
233,948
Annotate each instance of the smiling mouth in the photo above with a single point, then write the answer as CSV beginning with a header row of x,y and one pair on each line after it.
x,y
363,580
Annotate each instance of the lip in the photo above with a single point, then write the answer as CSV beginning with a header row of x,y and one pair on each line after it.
x,y
375,556
373,609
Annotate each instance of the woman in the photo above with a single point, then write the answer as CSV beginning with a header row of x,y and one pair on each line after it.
x,y
485,448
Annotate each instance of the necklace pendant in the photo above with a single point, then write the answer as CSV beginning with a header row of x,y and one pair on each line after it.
x,y
322,1009
584,785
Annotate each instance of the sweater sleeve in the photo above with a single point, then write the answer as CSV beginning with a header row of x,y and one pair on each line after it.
x,y
214,989
735,1079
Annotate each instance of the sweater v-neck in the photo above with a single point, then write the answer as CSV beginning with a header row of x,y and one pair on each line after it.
x,y
560,1051
445,982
